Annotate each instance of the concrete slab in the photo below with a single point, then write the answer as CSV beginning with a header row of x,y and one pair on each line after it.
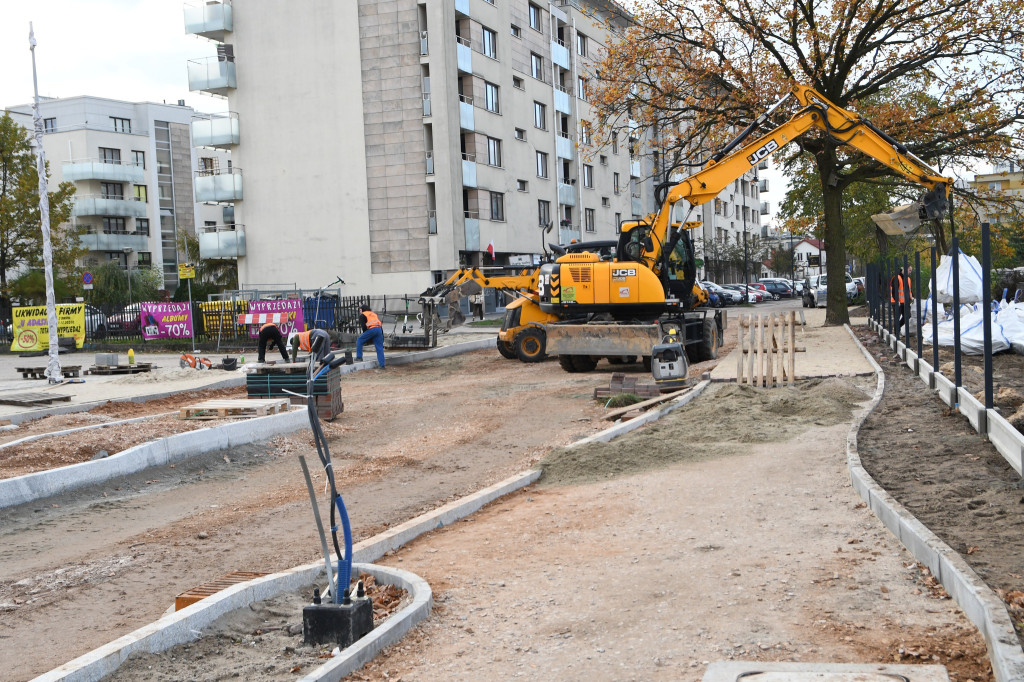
x,y
734,671
973,409
1007,440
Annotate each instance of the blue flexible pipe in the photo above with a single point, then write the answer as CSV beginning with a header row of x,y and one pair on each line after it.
x,y
344,564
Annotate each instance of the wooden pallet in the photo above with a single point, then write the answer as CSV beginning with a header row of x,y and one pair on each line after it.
x,y
32,399
234,409
106,370
39,372
213,587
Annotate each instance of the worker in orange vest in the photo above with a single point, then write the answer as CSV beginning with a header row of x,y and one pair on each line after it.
x,y
269,333
372,331
304,341
899,295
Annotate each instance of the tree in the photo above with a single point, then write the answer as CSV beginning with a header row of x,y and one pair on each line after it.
x,y
782,259
21,235
110,285
944,78
213,275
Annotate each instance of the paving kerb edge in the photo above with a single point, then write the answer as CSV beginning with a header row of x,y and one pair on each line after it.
x,y
23,489
638,421
102,425
981,605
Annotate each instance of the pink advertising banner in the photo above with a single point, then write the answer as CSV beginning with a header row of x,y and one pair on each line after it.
x,y
166,320
291,306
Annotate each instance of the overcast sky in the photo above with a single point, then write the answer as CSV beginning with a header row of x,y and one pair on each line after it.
x,y
132,50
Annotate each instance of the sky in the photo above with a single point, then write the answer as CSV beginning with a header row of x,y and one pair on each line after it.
x,y
132,50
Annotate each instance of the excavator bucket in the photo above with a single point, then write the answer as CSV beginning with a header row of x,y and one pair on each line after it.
x,y
908,218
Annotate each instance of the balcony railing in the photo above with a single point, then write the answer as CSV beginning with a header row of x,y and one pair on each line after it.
x,y
211,74
215,130
424,47
114,241
466,99
218,185
461,40
432,221
108,205
209,19
468,156
426,104
472,215
100,169
222,241
430,163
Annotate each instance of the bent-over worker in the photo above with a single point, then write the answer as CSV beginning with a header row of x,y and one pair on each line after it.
x,y
269,333
372,331
304,341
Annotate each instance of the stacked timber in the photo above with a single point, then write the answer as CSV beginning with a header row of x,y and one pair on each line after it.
x,y
284,379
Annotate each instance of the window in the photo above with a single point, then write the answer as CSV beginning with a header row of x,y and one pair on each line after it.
x,y
114,226
490,43
493,152
108,155
491,97
517,82
139,159
112,190
588,176
618,222
142,228
581,88
604,160
581,44
141,194
121,125
540,116
605,202
718,207
208,165
520,134
522,186
535,17
585,134
543,212
589,220
49,125
537,66
516,31
542,165
497,206
615,143
567,217
615,182
145,257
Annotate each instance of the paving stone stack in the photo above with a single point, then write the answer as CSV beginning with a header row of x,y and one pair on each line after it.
x,y
272,381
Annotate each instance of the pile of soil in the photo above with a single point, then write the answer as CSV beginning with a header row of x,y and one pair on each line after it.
x,y
716,425
947,475
260,644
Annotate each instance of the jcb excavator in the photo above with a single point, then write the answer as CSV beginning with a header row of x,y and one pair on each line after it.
x,y
653,277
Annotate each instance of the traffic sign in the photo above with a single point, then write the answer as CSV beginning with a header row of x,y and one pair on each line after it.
x,y
186,271
86,278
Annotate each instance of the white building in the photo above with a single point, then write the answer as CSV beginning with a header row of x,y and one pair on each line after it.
x,y
389,142
809,257
132,164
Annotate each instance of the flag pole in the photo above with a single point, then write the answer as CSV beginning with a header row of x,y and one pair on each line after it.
x,y
53,370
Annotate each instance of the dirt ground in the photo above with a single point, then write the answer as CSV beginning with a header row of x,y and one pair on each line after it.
x,y
949,477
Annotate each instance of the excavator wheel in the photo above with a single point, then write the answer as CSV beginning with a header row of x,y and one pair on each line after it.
x,y
621,359
583,363
529,345
566,363
707,349
506,350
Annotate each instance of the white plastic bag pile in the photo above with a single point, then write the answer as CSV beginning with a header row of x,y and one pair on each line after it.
x,y
1007,328
969,275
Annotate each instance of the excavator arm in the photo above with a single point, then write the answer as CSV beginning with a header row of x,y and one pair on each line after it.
x,y
526,280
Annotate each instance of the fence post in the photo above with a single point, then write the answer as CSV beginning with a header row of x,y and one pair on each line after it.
x,y
935,313
956,316
886,312
986,293
917,269
906,301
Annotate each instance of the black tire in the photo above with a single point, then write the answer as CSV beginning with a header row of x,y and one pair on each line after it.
x,y
583,363
506,350
707,349
775,297
529,345
621,359
647,363
566,363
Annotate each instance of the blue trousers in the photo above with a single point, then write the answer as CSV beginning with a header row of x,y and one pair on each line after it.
x,y
376,335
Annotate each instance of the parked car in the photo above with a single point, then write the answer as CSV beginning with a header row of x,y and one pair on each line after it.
x,y
816,290
125,321
727,296
754,295
778,289
859,281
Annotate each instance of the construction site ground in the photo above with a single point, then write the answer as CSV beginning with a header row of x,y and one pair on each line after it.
x,y
727,531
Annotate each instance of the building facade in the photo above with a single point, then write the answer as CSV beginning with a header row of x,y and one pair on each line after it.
x,y
391,142
132,164
1007,179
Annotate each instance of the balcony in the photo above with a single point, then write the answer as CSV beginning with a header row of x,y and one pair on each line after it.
x,y
430,163
564,146
636,205
469,170
464,54
560,54
426,104
467,119
228,214
115,241
216,185
222,241
566,194
211,75
432,221
108,205
215,130
472,231
766,207
562,100
634,168
107,171
424,45
762,185
209,20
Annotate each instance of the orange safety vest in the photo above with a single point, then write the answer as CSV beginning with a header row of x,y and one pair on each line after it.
x,y
902,285
371,319
304,340
268,324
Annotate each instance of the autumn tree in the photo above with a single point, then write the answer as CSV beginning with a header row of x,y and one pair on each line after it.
x,y
21,238
943,77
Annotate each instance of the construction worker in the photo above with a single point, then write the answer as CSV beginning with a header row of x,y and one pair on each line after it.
x,y
304,341
372,331
269,333
899,295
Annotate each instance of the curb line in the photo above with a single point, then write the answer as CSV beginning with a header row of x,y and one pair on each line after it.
x,y
638,421
977,600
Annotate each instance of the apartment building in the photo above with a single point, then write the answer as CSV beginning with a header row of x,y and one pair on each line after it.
x,y
1006,178
391,142
132,164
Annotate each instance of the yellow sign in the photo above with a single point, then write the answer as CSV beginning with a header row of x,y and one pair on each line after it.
x,y
31,333
186,271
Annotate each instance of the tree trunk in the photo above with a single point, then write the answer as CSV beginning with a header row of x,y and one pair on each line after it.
x,y
836,312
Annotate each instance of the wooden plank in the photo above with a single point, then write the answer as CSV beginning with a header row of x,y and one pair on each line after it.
x,y
760,347
792,346
770,379
750,358
739,356
615,414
